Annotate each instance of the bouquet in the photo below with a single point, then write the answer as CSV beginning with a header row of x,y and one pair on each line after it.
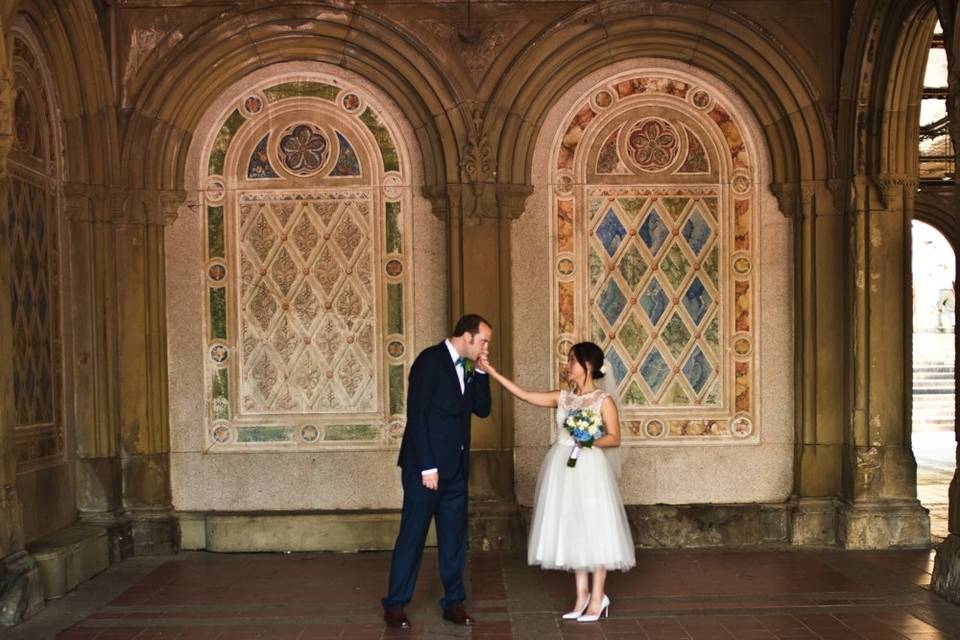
x,y
584,427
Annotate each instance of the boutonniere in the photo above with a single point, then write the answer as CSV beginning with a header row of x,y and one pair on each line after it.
x,y
468,368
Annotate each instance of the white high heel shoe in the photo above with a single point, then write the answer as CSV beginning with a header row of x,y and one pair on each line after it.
x,y
604,612
574,615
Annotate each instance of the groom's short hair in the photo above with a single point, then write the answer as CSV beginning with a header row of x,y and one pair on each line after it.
x,y
469,323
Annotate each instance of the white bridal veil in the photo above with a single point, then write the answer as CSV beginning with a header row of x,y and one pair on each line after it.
x,y
608,383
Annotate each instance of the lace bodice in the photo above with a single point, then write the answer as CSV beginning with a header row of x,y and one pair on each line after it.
x,y
569,401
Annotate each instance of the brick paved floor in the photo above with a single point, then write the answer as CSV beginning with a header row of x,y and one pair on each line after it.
x,y
749,595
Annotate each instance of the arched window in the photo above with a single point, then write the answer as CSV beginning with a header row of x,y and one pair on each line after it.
x,y
32,220
307,269
936,147
654,195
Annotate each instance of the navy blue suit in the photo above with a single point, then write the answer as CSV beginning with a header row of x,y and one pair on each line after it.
x,y
437,436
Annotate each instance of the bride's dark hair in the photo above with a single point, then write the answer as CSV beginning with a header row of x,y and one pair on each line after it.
x,y
589,353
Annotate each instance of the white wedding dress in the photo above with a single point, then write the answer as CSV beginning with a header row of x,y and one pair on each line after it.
x,y
578,517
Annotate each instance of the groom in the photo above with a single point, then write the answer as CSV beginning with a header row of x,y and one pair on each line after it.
x,y
445,389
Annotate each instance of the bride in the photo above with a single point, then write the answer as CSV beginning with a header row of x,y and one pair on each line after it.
x,y
579,523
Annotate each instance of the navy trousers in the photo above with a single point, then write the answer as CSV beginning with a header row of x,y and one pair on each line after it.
x,y
448,505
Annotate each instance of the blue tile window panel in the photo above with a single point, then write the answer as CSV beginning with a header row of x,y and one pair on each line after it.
x,y
611,232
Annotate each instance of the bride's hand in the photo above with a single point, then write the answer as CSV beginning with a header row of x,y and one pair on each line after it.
x,y
485,365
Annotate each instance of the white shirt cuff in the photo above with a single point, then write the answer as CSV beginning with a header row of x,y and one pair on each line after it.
x,y
480,371
426,471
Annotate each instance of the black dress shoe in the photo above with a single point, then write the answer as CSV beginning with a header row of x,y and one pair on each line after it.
x,y
457,615
396,618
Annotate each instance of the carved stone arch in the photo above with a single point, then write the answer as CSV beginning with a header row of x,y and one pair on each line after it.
x,y
782,97
903,67
70,38
290,283
165,114
940,213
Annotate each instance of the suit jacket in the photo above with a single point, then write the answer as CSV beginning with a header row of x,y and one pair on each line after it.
x,y
437,434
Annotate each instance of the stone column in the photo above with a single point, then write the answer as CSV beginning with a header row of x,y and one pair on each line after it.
x,y
92,304
946,566
880,508
819,338
141,386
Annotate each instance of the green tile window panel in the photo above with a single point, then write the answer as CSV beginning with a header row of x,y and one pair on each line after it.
x,y
395,308
220,390
222,142
218,313
215,232
342,432
394,237
396,389
265,433
305,88
391,161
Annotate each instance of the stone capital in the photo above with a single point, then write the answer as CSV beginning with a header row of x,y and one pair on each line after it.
x,y
894,187
148,206
512,200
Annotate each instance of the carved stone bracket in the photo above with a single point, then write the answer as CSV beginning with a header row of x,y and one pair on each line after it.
x,y
512,199
788,197
478,172
437,195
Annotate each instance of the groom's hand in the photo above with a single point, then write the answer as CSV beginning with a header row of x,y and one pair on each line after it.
x,y
431,480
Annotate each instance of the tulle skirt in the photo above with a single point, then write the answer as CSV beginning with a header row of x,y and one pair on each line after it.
x,y
579,522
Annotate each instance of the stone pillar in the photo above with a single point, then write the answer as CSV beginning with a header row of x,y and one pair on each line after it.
x,y
141,382
880,508
819,336
92,301
946,566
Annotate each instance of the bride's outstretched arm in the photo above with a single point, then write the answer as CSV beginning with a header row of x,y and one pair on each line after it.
x,y
538,398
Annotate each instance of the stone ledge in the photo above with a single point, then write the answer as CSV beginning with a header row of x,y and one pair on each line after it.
x,y
21,592
492,526
70,556
708,525
344,531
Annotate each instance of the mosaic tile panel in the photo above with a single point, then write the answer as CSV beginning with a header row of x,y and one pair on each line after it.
x,y
307,289
659,270
388,151
307,314
32,298
347,162
29,233
298,88
259,167
222,142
